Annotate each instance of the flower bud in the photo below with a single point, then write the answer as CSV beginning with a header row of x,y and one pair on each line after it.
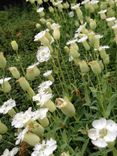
x,y
30,92
3,128
39,2
66,49
36,128
14,45
38,25
92,24
12,112
31,139
15,73
51,9
6,87
2,61
50,105
44,122
23,83
56,34
95,66
32,72
64,154
66,106
83,67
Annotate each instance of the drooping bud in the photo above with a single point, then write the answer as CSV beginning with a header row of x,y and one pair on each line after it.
x,y
95,66
83,67
15,73
2,61
66,106
3,128
14,45
31,138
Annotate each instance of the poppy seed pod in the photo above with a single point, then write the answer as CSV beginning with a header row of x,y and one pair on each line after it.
x,y
15,73
66,106
2,61
3,128
95,66
31,138
14,45
24,84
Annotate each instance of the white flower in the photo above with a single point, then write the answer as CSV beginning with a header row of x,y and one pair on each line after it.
x,y
81,28
39,114
71,41
4,80
45,149
20,119
33,65
110,19
71,14
44,86
55,26
57,3
39,35
102,11
21,135
83,39
103,132
47,73
7,106
42,98
75,6
43,54
10,153
40,9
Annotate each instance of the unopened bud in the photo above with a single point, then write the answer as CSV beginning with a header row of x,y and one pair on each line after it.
x,y
50,105
15,73
44,122
83,67
95,66
66,106
24,84
3,128
14,45
31,138
2,61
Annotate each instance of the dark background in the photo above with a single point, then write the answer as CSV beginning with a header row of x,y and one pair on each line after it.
x,y
8,3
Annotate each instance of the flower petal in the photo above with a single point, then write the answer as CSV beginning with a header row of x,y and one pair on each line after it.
x,y
93,134
111,125
99,124
110,137
99,143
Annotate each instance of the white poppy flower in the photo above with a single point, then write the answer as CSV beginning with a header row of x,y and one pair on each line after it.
x,y
47,73
43,54
7,106
45,149
103,132
10,153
